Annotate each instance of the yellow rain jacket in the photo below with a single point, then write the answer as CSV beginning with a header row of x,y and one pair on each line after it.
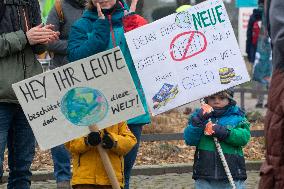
x,y
87,165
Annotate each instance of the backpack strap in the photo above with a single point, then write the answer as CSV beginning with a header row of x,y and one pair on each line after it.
x,y
58,8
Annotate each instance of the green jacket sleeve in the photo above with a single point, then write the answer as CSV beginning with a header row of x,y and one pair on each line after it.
x,y
11,43
240,135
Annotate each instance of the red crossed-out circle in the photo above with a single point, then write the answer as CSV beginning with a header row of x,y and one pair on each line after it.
x,y
191,41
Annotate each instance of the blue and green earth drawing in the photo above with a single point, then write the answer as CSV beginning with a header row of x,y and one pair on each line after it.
x,y
84,106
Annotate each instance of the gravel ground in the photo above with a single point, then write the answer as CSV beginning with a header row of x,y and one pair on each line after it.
x,y
167,181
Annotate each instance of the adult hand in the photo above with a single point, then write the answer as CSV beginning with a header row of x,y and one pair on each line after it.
x,y
93,139
100,12
133,5
55,33
41,35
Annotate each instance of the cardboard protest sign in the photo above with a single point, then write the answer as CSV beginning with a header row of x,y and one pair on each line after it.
x,y
186,56
95,90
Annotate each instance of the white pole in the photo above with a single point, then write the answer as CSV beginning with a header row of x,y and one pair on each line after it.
x,y
209,131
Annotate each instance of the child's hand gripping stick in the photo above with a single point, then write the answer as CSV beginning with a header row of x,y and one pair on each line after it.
x,y
207,109
209,129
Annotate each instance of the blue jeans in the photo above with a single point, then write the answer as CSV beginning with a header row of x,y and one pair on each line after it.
x,y
130,157
61,163
213,184
16,133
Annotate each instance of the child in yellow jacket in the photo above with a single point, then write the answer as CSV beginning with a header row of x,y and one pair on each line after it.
x,y
88,169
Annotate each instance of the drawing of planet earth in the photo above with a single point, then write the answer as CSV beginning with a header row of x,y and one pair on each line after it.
x,y
84,106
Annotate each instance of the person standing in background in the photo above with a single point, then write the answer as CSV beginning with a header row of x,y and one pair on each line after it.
x,y
63,14
253,33
22,36
272,170
262,67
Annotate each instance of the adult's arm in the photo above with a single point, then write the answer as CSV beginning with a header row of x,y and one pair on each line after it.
x,y
59,46
37,48
12,42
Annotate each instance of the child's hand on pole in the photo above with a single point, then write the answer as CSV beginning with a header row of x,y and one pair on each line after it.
x,y
221,132
207,109
205,112
93,139
209,129
107,141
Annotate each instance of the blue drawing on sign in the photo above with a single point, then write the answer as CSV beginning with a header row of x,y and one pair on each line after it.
x,y
165,94
84,106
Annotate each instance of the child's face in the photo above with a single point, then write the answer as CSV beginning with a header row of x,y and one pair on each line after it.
x,y
105,4
218,101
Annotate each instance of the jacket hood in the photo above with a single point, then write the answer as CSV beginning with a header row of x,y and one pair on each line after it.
x,y
117,14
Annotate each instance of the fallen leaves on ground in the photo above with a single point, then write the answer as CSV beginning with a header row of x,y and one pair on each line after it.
x,y
161,152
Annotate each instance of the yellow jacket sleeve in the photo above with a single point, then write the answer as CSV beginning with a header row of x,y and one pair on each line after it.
x,y
124,140
77,146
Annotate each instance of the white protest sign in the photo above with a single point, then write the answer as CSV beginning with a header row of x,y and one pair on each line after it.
x,y
61,103
244,15
186,56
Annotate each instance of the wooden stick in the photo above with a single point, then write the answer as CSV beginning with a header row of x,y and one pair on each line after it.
x,y
106,162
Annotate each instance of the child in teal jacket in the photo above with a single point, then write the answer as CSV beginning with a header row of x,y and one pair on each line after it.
x,y
101,29
233,132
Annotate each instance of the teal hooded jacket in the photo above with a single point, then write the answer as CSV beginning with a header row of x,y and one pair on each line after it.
x,y
91,35
234,120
